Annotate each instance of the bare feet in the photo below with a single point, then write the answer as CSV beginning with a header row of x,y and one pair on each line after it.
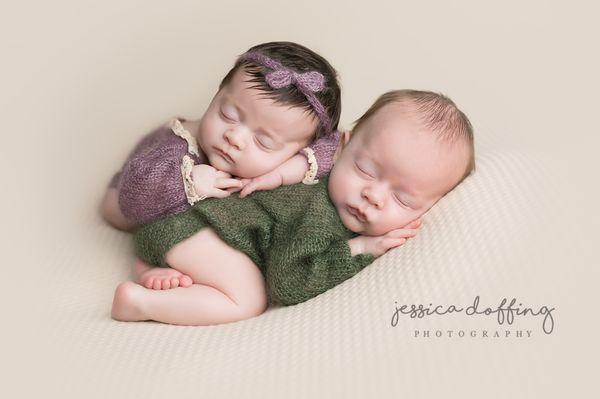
x,y
127,302
160,278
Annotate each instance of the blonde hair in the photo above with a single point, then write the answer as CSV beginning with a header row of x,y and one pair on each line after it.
x,y
437,112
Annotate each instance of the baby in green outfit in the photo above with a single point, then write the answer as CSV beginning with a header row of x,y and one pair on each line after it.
x,y
290,244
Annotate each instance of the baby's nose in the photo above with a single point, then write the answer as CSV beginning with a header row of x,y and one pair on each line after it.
x,y
373,197
235,138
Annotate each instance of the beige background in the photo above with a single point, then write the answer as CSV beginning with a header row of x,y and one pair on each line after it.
x,y
81,81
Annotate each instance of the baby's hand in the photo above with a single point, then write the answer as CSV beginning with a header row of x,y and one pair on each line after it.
x,y
378,245
210,182
267,181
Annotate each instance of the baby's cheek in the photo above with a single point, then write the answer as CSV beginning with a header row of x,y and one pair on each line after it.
x,y
389,222
376,229
208,130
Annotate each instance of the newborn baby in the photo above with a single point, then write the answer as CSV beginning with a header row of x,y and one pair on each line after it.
x,y
293,243
278,98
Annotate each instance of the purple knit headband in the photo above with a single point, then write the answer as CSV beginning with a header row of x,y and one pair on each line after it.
x,y
307,82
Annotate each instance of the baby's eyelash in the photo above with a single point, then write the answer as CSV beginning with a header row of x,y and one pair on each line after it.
x,y
260,143
400,201
226,117
362,171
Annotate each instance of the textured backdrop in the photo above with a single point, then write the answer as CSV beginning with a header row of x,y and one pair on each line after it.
x,y
82,81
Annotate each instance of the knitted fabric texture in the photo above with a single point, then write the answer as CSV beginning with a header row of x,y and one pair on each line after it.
x,y
150,183
324,149
308,83
293,234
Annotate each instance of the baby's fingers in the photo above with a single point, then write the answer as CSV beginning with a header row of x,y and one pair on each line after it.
x,y
248,189
389,243
221,174
414,224
398,233
228,183
220,193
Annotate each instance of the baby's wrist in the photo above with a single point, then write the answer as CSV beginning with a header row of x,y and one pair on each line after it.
x,y
356,245
189,182
293,170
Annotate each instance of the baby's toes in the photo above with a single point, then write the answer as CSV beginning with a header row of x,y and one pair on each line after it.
x,y
174,282
185,281
166,284
147,282
157,284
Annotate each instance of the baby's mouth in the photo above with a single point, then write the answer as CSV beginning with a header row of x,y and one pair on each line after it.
x,y
224,155
356,213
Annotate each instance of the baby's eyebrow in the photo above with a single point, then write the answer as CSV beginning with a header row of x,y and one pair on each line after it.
x,y
271,135
242,114
373,160
412,197
228,100
239,110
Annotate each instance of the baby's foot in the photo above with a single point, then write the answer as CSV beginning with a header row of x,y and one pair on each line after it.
x,y
162,278
127,302
159,278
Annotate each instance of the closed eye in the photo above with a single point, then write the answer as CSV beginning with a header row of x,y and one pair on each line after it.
x,y
362,171
227,118
262,144
400,201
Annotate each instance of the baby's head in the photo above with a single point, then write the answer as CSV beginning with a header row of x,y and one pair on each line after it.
x,y
275,100
404,154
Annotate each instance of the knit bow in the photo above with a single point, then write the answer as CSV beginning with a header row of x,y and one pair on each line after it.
x,y
307,82
312,80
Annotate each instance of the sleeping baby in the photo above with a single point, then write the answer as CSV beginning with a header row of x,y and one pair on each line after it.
x,y
272,122
290,244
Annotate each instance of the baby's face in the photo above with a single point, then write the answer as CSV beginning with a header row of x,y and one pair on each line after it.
x,y
248,135
392,172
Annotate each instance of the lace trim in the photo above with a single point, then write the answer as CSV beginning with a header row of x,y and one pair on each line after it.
x,y
187,164
311,173
180,131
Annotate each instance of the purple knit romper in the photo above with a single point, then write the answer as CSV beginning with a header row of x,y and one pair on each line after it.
x,y
150,182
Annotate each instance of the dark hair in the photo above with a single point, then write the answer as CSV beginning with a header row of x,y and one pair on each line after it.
x,y
436,111
299,59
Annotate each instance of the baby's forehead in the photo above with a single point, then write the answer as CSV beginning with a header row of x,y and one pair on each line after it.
x,y
283,122
405,150
393,117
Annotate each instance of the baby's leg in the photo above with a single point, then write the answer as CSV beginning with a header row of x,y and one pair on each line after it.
x,y
227,287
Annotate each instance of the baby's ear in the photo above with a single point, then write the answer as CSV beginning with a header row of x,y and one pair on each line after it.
x,y
344,138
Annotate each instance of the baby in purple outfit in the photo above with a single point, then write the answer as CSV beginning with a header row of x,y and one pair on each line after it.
x,y
272,122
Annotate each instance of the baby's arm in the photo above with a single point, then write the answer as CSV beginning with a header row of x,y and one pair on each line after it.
x,y
158,179
150,183
309,266
311,163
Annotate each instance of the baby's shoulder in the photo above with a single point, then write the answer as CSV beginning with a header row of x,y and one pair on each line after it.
x,y
181,131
